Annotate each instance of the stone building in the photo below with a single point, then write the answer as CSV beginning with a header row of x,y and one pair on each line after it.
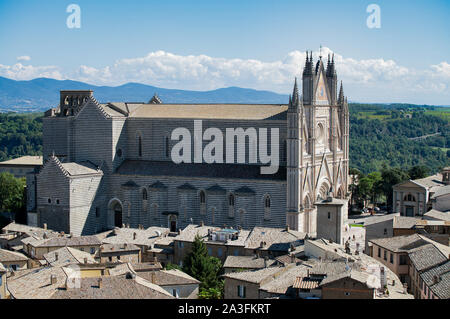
x,y
414,197
108,165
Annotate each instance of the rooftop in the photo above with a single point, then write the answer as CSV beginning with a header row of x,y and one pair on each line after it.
x,y
190,231
24,160
171,277
10,256
215,170
68,241
113,287
279,239
139,237
109,248
438,280
445,190
400,243
426,256
197,111
247,262
353,274
437,215
67,255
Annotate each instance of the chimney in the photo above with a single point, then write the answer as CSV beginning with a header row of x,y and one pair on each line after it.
x,y
52,279
307,272
265,262
134,236
202,223
153,277
45,225
56,256
100,282
292,258
85,260
125,246
287,227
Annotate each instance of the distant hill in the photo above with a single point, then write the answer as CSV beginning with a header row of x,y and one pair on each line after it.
x,y
42,93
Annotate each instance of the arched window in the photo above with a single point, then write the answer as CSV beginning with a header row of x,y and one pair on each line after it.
x,y
267,201
139,143
202,196
231,200
267,207
231,205
409,198
144,194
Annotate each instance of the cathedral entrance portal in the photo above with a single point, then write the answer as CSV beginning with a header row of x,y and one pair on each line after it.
x,y
173,223
115,210
118,215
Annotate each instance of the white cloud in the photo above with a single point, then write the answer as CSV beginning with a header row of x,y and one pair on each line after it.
x,y
364,80
19,71
23,58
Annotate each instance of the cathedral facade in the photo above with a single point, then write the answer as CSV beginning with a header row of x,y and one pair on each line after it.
x,y
109,165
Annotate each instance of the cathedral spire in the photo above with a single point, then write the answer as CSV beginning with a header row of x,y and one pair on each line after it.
x,y
295,93
308,66
341,94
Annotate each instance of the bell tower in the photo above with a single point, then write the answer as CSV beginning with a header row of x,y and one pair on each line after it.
x,y
71,101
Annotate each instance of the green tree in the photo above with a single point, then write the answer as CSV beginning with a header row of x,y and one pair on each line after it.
x,y
418,171
204,268
391,177
11,193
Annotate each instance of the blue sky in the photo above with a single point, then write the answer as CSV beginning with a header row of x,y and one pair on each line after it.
x,y
208,44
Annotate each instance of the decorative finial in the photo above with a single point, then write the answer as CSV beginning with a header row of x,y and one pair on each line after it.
x,y
320,52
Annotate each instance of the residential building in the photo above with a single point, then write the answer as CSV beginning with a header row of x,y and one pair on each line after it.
x,y
13,260
435,283
347,285
175,282
129,253
20,166
421,260
37,248
414,197
220,242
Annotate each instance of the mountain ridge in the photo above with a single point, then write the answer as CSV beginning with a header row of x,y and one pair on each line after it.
x,y
43,93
